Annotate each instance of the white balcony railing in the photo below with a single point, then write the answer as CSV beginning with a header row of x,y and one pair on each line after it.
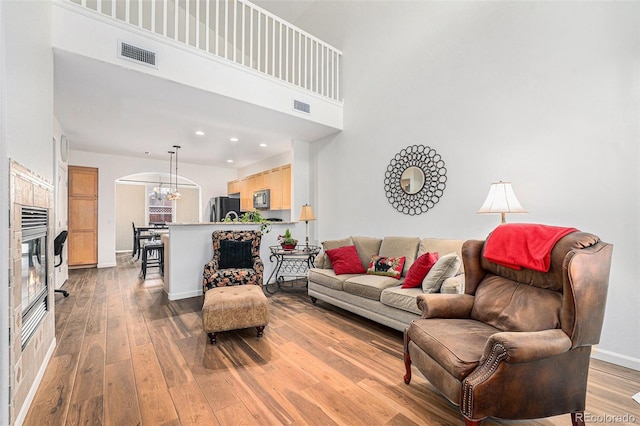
x,y
238,31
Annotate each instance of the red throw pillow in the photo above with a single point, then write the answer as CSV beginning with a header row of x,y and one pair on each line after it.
x,y
387,266
345,260
419,270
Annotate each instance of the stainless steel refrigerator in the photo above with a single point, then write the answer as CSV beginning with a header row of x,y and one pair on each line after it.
x,y
220,206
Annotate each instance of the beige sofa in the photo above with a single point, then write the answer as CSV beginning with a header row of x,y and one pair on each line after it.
x,y
381,298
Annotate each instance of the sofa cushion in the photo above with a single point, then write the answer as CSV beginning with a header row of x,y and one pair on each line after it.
x,y
445,267
328,278
401,298
369,286
334,244
455,344
366,247
345,260
398,247
453,285
387,266
419,270
442,246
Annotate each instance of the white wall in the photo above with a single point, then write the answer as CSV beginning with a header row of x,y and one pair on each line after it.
x,y
543,94
61,273
26,116
4,230
111,167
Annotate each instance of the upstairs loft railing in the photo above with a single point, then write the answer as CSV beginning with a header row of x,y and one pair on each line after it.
x,y
238,31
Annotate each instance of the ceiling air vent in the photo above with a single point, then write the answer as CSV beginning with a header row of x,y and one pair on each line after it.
x,y
301,106
137,54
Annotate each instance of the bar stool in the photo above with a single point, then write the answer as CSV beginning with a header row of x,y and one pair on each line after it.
x,y
152,256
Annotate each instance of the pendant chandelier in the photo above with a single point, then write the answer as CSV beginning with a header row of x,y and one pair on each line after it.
x,y
157,191
175,195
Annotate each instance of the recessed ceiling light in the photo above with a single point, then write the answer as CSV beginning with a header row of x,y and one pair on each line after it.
x,y
234,139
229,161
199,133
263,145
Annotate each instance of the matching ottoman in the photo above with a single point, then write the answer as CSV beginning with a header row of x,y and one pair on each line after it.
x,y
234,307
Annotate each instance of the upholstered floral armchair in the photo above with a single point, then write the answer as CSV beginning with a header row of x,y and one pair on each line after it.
x,y
236,260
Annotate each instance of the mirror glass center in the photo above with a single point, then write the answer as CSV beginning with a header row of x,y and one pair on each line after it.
x,y
412,180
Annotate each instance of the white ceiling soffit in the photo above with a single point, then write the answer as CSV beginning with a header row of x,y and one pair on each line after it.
x,y
108,109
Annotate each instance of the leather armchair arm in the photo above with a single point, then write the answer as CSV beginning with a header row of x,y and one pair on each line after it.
x,y
445,305
517,347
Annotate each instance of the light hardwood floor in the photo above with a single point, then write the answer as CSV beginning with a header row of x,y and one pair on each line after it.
x,y
127,356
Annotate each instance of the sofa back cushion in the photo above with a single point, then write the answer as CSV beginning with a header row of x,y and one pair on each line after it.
x,y
333,244
442,246
398,247
366,247
512,306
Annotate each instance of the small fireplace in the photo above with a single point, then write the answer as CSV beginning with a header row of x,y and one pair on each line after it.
x,y
35,223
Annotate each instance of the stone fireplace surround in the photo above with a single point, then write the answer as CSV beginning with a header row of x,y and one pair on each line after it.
x,y
26,366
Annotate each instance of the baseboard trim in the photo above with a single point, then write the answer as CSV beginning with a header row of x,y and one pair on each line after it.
x,y
36,383
616,358
183,295
107,265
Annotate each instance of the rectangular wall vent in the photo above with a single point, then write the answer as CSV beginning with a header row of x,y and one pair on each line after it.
x,y
301,106
137,54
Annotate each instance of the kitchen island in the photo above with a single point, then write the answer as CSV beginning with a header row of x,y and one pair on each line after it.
x,y
188,247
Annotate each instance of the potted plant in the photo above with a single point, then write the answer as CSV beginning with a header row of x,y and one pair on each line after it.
x,y
252,217
287,241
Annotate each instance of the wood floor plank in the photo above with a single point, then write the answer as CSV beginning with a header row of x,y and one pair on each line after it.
x,y
52,402
156,406
315,365
174,367
120,395
89,382
87,412
192,406
117,339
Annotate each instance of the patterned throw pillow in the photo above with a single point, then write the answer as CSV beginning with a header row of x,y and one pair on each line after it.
x,y
235,254
345,260
387,266
419,270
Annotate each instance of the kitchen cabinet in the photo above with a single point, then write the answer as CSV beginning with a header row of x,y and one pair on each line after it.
x,y
286,187
246,199
277,180
233,187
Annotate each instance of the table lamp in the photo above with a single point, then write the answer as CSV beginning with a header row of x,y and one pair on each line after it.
x,y
501,199
306,214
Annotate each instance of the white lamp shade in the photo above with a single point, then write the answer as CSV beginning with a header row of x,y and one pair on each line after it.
x,y
501,199
306,214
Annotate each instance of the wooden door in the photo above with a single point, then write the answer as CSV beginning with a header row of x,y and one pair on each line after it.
x,y
83,216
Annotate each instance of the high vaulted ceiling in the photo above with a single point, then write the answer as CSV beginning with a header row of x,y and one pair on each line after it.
x,y
109,109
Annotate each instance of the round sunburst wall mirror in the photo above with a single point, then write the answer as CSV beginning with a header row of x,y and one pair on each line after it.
x,y
415,179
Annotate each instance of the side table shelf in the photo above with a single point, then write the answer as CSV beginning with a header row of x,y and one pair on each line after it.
x,y
290,264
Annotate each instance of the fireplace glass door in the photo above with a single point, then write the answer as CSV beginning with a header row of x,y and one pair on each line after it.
x,y
34,271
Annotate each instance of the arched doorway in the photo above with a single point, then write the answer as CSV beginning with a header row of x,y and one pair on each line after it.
x,y
141,199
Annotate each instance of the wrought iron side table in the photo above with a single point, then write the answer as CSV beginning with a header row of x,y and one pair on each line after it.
x,y
290,263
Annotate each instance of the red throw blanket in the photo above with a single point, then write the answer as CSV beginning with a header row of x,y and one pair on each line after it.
x,y
524,245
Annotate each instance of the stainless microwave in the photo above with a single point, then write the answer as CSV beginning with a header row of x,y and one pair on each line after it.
x,y
261,199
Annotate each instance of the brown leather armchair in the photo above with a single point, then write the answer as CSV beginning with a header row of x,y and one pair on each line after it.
x,y
517,343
